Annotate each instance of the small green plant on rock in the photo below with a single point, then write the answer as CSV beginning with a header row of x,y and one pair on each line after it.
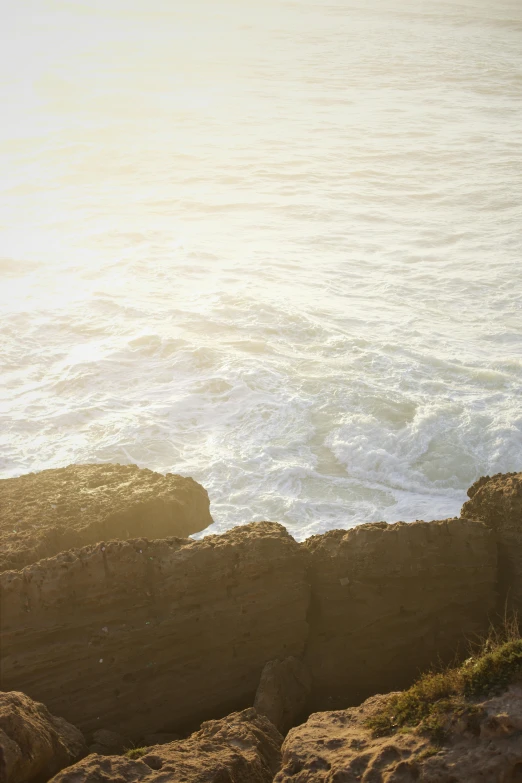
x,y
493,671
427,753
439,698
136,753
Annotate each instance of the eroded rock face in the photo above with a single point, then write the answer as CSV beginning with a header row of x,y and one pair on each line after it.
x,y
44,513
388,601
497,501
283,692
336,746
242,748
151,636
34,744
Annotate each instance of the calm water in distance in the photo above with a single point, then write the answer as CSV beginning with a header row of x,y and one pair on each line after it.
x,y
276,246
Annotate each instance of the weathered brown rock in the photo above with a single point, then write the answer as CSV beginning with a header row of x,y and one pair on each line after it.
x,y
44,513
336,746
242,748
283,692
390,600
146,636
497,501
34,744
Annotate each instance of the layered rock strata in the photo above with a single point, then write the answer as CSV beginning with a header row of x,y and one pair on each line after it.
x,y
388,601
144,636
151,636
242,748
34,744
44,513
497,501
484,746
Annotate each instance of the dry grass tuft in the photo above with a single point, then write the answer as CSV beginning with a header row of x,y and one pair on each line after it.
x,y
136,753
439,698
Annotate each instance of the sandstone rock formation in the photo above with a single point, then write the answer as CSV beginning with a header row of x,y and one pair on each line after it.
x,y
497,501
389,600
242,748
44,513
147,636
336,746
34,744
283,692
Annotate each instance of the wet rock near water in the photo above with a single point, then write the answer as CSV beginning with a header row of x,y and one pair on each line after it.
x,y
42,514
497,502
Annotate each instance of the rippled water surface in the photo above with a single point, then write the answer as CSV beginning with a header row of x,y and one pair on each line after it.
x,y
273,245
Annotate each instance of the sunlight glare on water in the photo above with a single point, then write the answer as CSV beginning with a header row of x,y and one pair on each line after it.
x,y
274,246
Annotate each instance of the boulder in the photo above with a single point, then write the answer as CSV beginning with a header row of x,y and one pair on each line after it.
x,y
34,744
283,692
388,601
497,502
336,746
44,513
242,748
154,636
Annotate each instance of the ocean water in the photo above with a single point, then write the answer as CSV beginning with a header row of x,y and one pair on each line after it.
x,y
276,246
